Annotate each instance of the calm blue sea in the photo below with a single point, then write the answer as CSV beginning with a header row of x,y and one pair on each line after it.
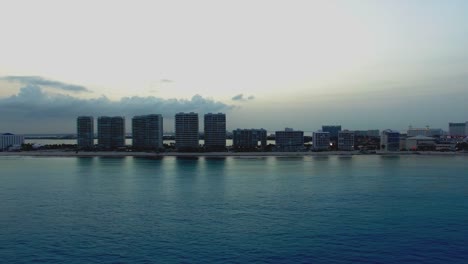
x,y
360,209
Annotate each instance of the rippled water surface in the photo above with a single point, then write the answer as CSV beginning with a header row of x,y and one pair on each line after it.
x,y
361,209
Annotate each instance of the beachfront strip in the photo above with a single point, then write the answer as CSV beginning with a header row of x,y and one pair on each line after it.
x,y
148,135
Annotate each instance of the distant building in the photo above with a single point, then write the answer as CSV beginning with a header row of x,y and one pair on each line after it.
x,y
333,130
111,132
427,132
215,131
390,140
375,133
187,132
420,142
458,129
346,140
321,140
289,140
85,132
249,138
8,140
147,132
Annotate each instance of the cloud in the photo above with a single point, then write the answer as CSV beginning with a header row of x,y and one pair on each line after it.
x,y
166,81
240,97
39,81
42,111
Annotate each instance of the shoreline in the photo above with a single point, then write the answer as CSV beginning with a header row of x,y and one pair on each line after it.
x,y
56,153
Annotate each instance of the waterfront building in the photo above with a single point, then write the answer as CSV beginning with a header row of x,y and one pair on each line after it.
x,y
186,129
373,133
427,132
8,141
85,132
289,140
346,140
458,129
420,142
111,132
215,131
321,140
390,140
249,138
333,130
147,132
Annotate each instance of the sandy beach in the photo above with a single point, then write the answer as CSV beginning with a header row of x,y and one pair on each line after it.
x,y
55,153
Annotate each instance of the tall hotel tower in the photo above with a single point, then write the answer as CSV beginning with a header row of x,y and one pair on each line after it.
x,y
215,131
85,132
111,132
186,129
147,132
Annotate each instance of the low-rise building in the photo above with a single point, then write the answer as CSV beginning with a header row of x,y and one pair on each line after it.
x,y
346,140
248,139
420,142
8,140
321,140
390,140
289,140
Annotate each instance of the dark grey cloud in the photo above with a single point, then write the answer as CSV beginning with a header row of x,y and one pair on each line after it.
x,y
39,81
240,97
35,110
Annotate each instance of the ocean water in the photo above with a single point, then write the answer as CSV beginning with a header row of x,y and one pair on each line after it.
x,y
360,209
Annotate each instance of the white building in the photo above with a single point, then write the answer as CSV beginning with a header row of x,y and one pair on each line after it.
x,y
346,140
8,140
321,140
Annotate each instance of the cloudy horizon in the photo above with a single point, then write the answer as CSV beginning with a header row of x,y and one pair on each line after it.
x,y
271,64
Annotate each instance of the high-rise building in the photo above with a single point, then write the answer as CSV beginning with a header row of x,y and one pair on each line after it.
x,y
147,132
215,131
111,132
8,141
390,140
321,140
458,129
85,132
289,140
333,130
186,129
346,140
248,139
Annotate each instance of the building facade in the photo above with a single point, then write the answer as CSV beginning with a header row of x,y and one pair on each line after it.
x,y
458,129
147,132
9,140
321,140
215,131
346,140
390,140
186,129
427,132
111,132
85,132
248,139
289,140
333,130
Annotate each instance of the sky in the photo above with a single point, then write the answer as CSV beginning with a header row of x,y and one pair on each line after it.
x,y
363,64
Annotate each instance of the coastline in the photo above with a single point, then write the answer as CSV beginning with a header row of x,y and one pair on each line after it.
x,y
56,153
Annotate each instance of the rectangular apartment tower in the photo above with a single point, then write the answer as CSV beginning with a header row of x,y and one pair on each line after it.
x,y
186,129
215,131
147,132
111,132
85,132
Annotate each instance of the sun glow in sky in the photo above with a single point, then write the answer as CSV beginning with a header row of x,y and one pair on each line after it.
x,y
362,64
